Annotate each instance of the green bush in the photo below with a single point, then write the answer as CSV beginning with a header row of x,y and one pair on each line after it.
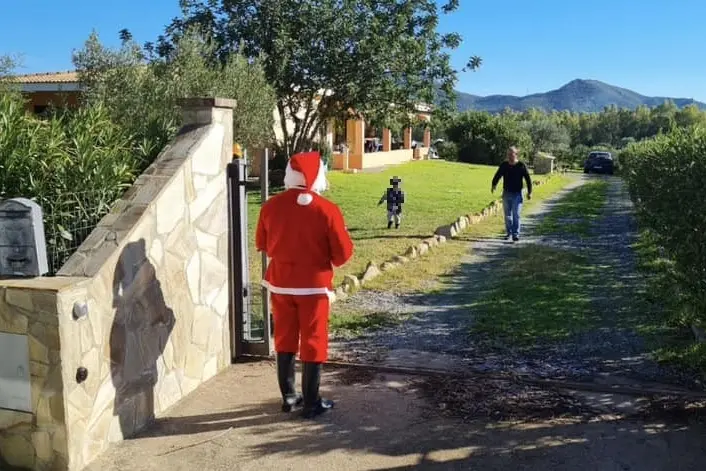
x,y
74,165
483,138
448,150
666,178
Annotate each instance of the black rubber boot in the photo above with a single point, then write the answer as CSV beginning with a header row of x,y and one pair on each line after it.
x,y
389,224
314,404
397,226
285,377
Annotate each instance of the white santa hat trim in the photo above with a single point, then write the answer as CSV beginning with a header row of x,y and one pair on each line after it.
x,y
294,179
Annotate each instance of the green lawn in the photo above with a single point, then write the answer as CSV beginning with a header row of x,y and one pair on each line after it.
x,y
436,193
575,213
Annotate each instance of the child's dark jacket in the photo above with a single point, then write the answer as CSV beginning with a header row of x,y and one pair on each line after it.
x,y
394,198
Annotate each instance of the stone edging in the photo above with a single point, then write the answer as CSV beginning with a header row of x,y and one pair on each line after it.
x,y
352,283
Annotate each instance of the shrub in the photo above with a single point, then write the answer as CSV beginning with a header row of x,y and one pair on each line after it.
x,y
484,139
665,176
74,165
448,150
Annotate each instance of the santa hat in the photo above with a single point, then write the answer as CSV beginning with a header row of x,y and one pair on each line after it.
x,y
306,171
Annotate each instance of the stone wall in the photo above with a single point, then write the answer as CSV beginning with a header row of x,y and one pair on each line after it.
x,y
141,309
35,440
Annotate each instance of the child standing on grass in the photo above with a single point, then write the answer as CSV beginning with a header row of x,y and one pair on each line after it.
x,y
395,198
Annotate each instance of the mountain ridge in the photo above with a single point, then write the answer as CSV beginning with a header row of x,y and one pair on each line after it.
x,y
578,95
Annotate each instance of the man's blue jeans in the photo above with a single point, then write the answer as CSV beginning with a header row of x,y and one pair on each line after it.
x,y
512,205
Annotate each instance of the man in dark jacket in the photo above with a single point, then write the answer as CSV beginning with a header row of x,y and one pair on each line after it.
x,y
512,172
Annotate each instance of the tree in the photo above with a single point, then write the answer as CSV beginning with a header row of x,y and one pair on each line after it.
x,y
484,139
8,64
333,58
141,89
547,135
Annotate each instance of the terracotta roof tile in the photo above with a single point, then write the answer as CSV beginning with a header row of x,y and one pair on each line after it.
x,y
48,77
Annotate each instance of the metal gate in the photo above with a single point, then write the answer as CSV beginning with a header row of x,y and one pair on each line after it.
x,y
251,326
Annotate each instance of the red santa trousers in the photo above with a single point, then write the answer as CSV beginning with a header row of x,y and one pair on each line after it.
x,y
301,325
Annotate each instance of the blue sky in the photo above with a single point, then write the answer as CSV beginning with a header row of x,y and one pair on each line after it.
x,y
654,47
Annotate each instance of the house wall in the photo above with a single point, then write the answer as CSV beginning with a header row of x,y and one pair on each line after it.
x,y
59,99
378,159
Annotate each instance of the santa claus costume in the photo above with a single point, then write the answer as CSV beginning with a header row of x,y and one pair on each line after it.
x,y
305,237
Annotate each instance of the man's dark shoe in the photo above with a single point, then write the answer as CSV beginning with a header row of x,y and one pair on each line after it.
x,y
285,378
314,405
389,224
515,238
507,237
322,407
397,226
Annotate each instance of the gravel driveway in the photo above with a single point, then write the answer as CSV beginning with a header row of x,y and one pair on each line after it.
x,y
438,329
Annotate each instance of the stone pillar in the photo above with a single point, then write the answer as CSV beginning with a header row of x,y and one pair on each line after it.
x,y
427,137
386,140
408,137
355,136
198,112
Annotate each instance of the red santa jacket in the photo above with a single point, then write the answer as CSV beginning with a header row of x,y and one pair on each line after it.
x,y
303,243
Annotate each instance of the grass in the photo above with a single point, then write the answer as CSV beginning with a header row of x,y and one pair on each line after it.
x,y
423,274
416,275
436,193
353,322
575,213
541,294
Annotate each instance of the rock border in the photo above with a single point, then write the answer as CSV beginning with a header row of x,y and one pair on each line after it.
x,y
351,283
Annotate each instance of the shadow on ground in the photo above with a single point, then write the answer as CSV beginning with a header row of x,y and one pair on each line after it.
x,y
381,422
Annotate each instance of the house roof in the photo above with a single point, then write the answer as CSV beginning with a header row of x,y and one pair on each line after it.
x,y
47,77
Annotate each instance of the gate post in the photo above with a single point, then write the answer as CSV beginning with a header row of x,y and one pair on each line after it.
x,y
237,255
268,330
242,294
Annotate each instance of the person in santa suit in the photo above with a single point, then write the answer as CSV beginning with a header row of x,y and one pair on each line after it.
x,y
304,236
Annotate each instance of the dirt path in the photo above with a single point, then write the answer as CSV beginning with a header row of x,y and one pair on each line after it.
x,y
438,331
381,423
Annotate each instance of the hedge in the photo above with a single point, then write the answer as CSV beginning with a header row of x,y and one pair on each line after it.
x,y
666,177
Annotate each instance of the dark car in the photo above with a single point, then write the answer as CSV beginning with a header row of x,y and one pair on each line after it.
x,y
599,162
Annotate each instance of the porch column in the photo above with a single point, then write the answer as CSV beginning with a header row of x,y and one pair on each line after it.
x,y
355,136
408,138
386,140
427,137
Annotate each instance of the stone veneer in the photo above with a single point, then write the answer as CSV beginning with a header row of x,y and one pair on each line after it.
x,y
142,306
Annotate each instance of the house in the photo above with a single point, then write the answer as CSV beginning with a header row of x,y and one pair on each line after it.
x,y
62,89
58,88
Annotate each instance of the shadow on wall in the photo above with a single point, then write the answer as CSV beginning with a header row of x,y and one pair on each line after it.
x,y
139,334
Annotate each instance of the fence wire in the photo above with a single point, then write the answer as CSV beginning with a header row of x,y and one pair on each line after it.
x,y
68,221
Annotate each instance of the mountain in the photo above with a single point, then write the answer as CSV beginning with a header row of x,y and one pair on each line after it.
x,y
578,95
